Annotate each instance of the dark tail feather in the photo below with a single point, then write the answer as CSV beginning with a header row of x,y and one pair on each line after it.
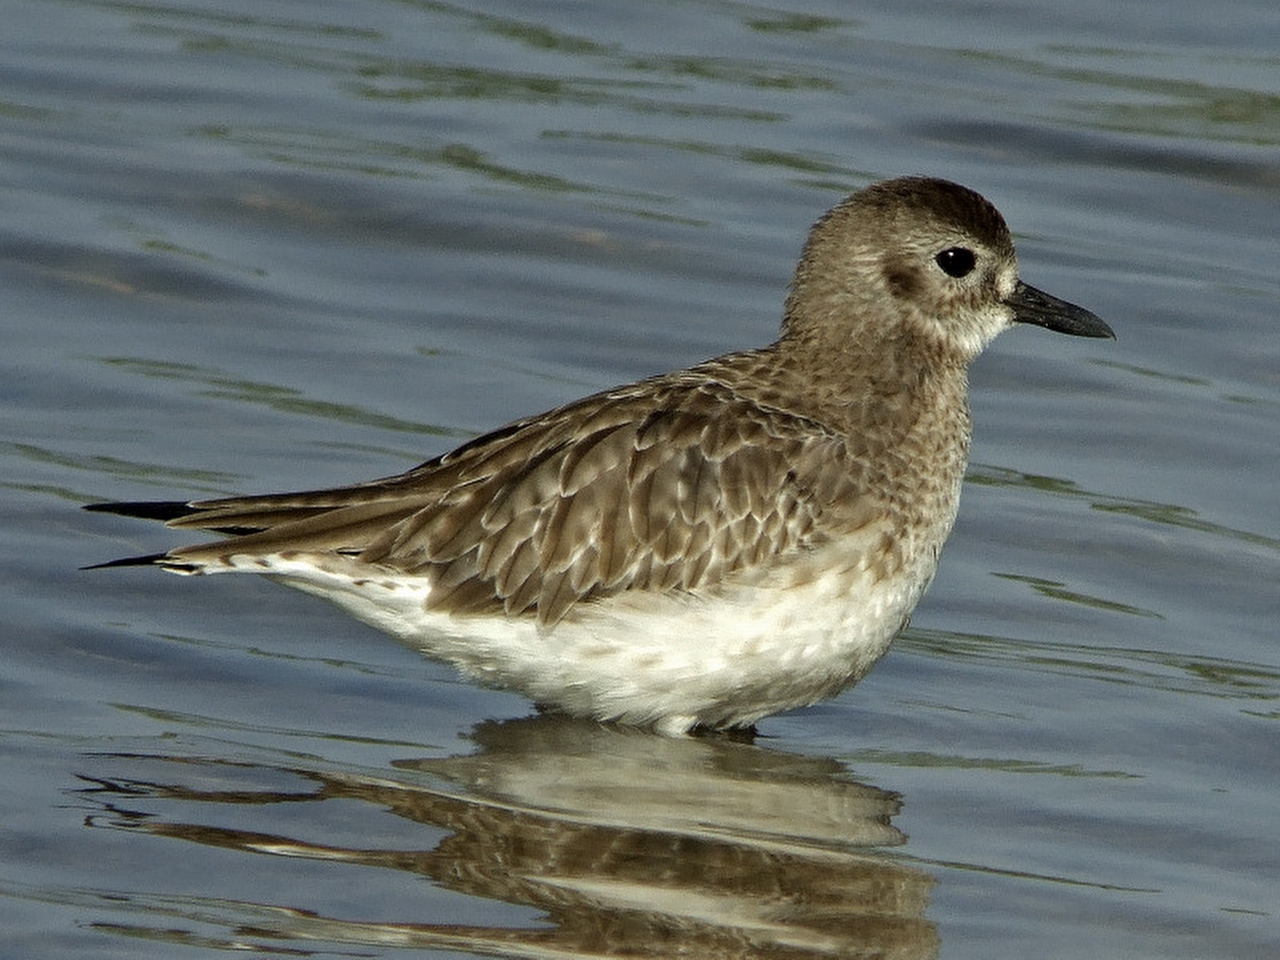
x,y
241,515
149,560
165,510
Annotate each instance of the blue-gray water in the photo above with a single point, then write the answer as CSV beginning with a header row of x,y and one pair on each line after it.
x,y
258,246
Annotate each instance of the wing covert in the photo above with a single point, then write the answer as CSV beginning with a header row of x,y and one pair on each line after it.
x,y
674,498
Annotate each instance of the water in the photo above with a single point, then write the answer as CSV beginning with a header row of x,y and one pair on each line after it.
x,y
250,247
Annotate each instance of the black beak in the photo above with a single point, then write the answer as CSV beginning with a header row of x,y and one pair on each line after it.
x,y
1035,306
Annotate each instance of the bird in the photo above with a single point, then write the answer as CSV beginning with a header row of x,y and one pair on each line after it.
x,y
700,549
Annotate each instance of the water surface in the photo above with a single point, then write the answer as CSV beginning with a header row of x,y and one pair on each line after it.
x,y
250,247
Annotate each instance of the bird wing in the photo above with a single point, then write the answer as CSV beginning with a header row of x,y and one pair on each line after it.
x,y
620,491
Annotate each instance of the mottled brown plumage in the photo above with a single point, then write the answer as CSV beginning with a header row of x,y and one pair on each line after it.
x,y
670,484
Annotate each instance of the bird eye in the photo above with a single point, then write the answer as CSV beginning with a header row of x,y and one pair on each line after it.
x,y
956,261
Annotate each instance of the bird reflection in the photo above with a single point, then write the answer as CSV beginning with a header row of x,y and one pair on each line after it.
x,y
631,845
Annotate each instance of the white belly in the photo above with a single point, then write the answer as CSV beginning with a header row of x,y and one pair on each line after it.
x,y
670,661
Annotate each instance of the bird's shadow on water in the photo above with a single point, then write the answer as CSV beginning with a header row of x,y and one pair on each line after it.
x,y
626,844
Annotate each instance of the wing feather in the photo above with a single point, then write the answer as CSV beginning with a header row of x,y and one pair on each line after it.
x,y
673,484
